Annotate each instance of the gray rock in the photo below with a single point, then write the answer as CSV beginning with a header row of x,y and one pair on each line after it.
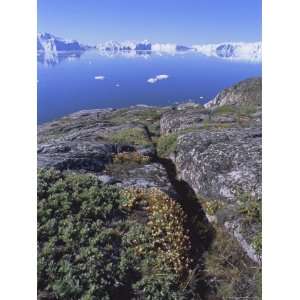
x,y
105,179
188,104
144,176
245,92
75,156
177,120
82,141
234,228
221,163
147,151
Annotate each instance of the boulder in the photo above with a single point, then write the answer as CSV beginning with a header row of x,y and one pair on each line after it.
x,y
221,163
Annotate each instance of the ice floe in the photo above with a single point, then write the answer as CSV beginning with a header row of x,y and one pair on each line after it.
x,y
157,78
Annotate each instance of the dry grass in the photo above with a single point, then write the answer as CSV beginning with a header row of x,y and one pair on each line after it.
x,y
136,157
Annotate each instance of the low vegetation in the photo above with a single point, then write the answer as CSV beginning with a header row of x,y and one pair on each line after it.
x,y
95,242
225,109
133,136
166,144
167,224
135,157
250,212
228,270
144,116
211,206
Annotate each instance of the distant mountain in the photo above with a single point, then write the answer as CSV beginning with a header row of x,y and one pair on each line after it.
x,y
237,51
49,43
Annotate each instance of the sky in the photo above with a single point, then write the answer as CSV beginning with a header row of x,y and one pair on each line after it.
x,y
168,21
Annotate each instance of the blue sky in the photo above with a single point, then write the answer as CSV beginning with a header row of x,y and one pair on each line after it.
x,y
175,21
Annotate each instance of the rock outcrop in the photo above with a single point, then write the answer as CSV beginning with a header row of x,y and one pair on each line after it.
x,y
245,92
88,141
218,153
221,163
215,153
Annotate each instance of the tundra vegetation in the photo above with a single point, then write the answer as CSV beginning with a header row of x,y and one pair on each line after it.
x,y
135,203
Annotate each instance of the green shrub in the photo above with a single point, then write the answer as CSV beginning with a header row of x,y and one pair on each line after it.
x,y
80,228
91,246
166,144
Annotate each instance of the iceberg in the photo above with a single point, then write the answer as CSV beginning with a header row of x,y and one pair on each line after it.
x,y
49,43
233,51
99,77
157,78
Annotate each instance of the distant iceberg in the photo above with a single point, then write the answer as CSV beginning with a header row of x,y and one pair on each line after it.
x,y
233,51
49,43
140,46
157,78
164,47
99,77
124,46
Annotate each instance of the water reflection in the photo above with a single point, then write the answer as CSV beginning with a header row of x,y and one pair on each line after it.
x,y
51,59
126,53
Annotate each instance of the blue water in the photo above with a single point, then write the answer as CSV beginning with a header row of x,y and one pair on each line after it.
x,y
66,82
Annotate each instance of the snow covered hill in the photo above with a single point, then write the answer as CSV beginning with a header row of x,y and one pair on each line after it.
x,y
235,51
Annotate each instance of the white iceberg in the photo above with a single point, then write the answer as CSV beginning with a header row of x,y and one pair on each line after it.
x,y
232,51
157,78
99,77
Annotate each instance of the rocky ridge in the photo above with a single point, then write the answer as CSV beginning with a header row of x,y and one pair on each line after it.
x,y
206,157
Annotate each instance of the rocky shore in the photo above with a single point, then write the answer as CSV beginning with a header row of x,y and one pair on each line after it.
x,y
206,158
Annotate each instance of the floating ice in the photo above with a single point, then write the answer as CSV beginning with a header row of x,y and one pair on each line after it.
x,y
157,78
99,77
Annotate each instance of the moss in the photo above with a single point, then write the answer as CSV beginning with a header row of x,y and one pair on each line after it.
x,y
133,136
166,144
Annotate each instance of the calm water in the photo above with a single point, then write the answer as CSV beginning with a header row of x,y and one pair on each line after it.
x,y
66,83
